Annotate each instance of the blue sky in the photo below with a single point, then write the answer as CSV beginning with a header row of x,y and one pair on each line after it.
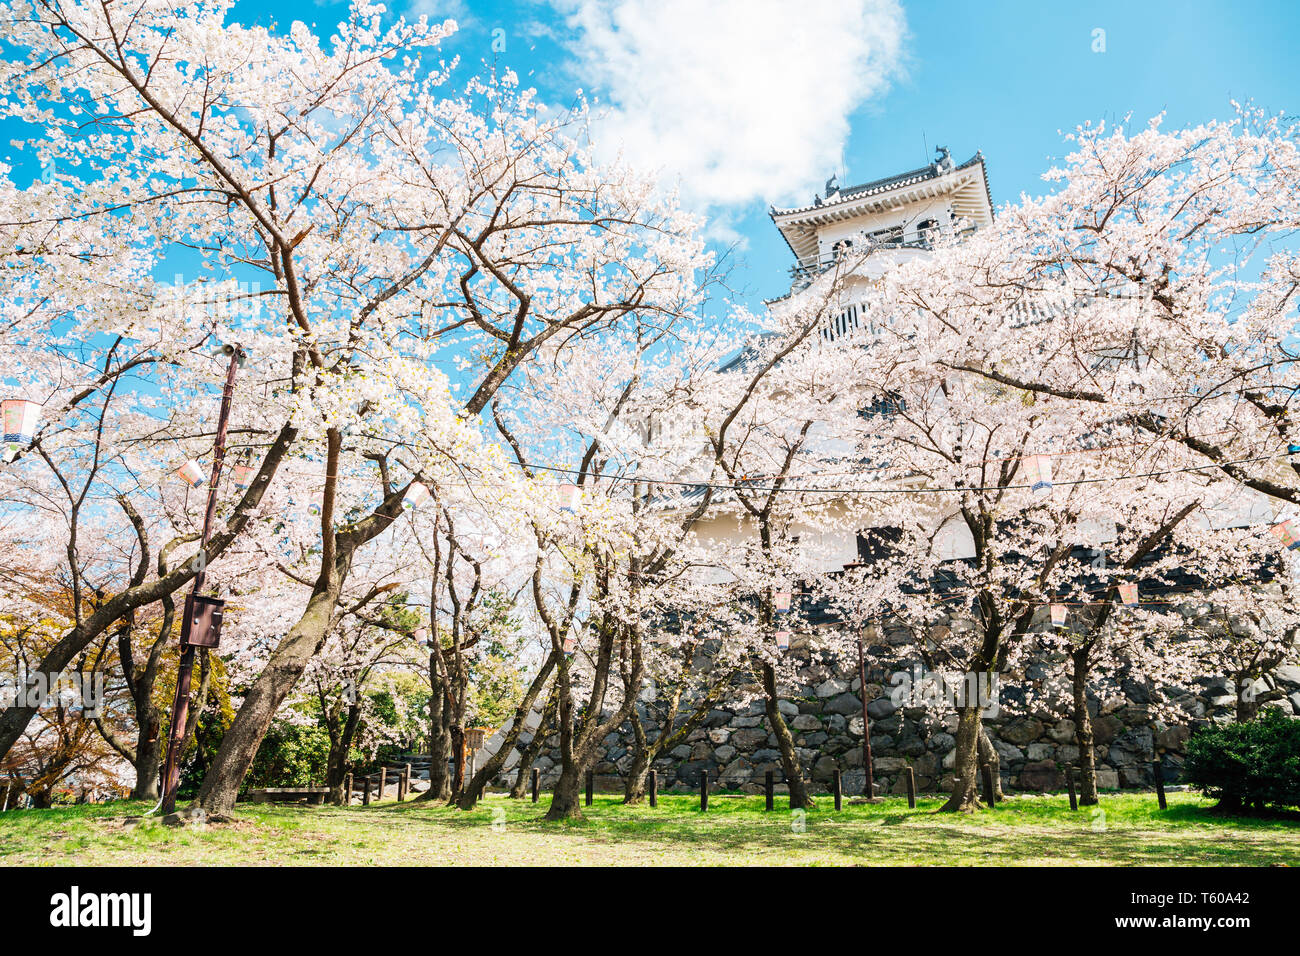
x,y
748,102
1001,77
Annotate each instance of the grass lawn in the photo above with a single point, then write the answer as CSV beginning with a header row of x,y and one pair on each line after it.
x,y
1023,830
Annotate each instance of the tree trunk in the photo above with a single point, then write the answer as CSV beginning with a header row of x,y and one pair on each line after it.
x,y
439,748
799,796
988,755
148,760
643,752
966,771
565,802
473,790
337,765
534,749
520,789
1083,732
634,785
458,761
286,664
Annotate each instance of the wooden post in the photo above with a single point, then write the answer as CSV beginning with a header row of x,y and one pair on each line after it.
x,y
911,789
537,780
989,793
591,785
365,799
404,786
704,790
769,788
383,781
347,790
839,793
1069,786
1159,768
653,783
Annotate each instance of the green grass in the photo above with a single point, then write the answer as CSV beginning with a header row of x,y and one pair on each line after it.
x,y
1023,830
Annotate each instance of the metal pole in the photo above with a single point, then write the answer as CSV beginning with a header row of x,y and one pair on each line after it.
x,y
181,703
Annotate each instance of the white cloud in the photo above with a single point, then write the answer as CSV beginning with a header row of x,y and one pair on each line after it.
x,y
738,99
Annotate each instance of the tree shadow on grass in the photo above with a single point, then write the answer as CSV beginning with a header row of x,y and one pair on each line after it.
x,y
738,830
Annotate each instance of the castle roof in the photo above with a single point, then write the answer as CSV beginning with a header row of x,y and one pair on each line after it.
x,y
966,184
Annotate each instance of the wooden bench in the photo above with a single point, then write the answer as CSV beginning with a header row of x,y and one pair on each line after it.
x,y
312,795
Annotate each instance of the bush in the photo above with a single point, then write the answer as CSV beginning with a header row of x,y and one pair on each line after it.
x,y
290,756
1247,765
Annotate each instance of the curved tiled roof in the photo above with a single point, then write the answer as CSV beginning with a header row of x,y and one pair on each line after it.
x,y
910,178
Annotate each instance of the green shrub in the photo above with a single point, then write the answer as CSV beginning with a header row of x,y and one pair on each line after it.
x,y
290,756
1253,764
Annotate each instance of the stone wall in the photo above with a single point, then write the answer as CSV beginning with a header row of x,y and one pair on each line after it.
x,y
824,711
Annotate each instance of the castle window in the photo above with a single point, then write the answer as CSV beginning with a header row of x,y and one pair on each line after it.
x,y
876,544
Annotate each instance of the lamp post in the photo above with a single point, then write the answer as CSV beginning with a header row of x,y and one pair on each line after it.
x,y
198,610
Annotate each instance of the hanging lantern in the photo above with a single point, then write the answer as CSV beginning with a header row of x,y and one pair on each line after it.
x,y
421,635
782,640
1128,595
192,473
243,473
1058,615
781,599
1285,532
569,647
317,503
569,494
19,423
417,496
1038,469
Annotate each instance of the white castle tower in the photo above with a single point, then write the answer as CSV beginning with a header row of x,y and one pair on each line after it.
x,y
889,220
897,215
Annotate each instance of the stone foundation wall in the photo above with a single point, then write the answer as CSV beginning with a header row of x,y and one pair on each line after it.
x,y
824,711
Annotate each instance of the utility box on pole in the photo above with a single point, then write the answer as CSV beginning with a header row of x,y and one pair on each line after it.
x,y
205,614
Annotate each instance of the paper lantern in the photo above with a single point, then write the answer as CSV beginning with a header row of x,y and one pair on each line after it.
x,y
317,503
422,635
1128,595
1285,532
568,647
569,494
1038,471
191,472
783,640
782,601
1058,615
20,417
417,496
243,474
